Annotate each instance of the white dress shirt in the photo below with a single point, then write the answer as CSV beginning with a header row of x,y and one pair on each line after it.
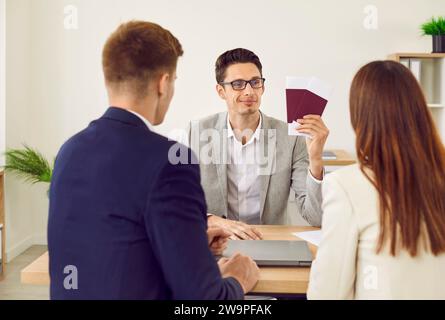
x,y
243,179
243,183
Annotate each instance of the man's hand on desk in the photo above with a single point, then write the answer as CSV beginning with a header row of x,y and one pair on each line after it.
x,y
238,230
218,238
242,268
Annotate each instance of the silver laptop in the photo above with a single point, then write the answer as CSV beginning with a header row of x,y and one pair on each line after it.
x,y
272,252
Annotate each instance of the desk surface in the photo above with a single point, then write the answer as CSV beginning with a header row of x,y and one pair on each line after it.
x,y
284,280
287,280
343,159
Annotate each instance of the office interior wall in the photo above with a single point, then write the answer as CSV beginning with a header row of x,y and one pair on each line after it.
x,y
19,204
55,84
2,79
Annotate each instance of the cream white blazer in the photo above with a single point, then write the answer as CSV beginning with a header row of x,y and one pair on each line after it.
x,y
347,266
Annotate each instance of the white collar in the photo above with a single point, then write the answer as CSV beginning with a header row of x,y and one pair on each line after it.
x,y
146,122
255,136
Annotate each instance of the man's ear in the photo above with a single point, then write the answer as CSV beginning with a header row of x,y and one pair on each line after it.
x,y
221,92
163,84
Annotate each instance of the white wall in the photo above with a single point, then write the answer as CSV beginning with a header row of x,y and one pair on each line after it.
x,y
2,79
19,218
55,82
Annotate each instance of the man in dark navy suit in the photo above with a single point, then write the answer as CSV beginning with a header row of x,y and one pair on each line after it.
x,y
125,222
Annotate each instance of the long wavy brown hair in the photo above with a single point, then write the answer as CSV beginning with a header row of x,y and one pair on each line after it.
x,y
400,152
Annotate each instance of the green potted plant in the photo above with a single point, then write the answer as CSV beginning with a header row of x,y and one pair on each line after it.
x,y
29,165
435,28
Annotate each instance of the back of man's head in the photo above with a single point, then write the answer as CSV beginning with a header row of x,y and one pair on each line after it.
x,y
136,53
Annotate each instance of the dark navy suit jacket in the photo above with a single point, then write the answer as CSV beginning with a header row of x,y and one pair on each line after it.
x,y
126,223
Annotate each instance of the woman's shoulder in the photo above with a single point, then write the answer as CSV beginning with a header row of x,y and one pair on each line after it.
x,y
351,179
346,173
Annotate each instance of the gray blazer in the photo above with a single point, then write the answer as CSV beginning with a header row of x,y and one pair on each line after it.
x,y
284,167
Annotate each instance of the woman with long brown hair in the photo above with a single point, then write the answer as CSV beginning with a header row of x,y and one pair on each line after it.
x,y
384,218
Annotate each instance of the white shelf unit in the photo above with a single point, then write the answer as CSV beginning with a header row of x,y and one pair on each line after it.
x,y
429,69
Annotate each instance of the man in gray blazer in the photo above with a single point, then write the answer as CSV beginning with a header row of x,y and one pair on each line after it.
x,y
249,163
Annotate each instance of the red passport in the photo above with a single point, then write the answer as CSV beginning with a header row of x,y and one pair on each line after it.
x,y
305,96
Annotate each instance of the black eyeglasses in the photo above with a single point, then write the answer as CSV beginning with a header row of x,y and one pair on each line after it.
x,y
239,85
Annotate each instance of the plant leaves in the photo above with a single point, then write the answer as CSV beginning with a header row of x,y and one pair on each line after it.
x,y
29,165
434,26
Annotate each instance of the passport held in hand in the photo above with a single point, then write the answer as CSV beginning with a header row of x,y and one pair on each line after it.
x,y
305,96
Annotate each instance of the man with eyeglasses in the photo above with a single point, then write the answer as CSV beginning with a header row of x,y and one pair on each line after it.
x,y
249,163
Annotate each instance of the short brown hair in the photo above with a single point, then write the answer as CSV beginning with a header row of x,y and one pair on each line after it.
x,y
398,142
234,56
136,52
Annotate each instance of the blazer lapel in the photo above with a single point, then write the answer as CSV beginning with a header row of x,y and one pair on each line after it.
x,y
267,157
220,153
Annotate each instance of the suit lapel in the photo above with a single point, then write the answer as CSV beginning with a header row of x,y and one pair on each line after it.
x,y
220,156
267,157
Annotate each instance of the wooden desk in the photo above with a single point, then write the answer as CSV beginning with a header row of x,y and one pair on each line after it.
x,y
273,280
343,159
286,280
